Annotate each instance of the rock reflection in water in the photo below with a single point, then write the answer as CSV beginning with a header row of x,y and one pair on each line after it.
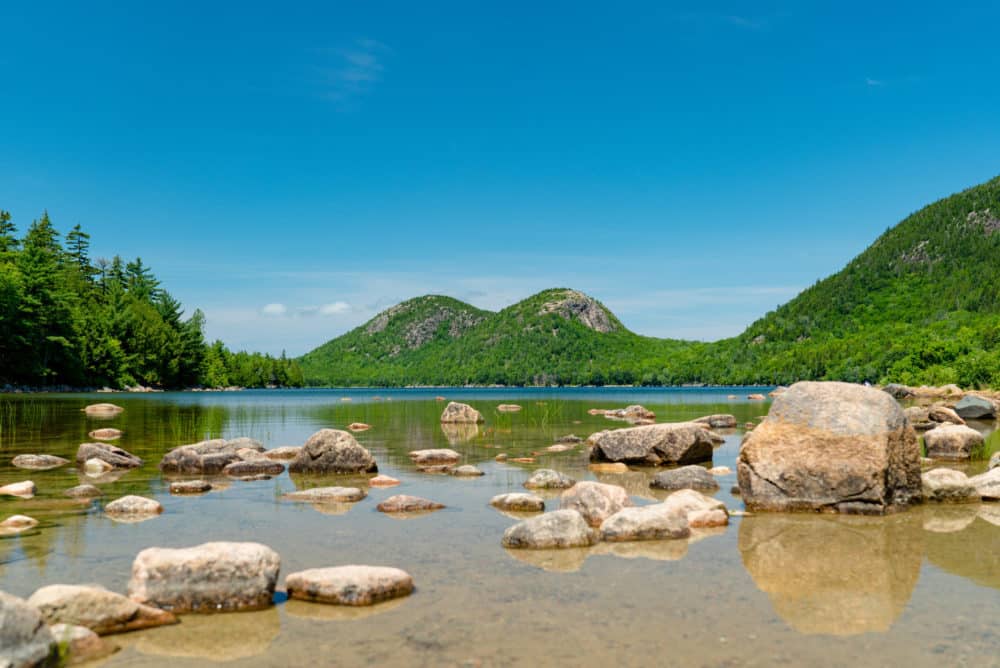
x,y
567,560
339,613
654,550
834,575
973,552
222,637
948,518
458,433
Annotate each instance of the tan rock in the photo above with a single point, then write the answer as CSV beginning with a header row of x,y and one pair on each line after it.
x,y
283,453
434,456
38,462
652,522
948,486
508,408
96,608
403,503
133,506
102,410
106,434
23,490
16,524
349,585
327,495
559,529
460,413
595,501
382,480
518,502
953,442
359,426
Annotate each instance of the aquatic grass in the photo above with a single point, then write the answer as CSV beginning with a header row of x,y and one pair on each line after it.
x,y
991,444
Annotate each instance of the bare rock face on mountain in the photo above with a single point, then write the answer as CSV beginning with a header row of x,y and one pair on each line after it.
x,y
831,446
423,318
573,305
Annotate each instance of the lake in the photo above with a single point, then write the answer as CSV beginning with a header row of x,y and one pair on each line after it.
x,y
918,588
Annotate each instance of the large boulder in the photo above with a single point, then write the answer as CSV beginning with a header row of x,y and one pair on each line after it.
x,y
349,585
987,484
25,639
333,451
685,477
671,443
455,412
653,522
972,407
954,442
948,486
96,608
208,457
112,454
212,577
595,501
831,446
558,529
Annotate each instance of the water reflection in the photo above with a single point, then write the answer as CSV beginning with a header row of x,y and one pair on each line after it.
x,y
223,637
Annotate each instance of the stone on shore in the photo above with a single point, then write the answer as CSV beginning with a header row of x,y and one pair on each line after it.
x,y
685,477
670,443
557,529
38,462
719,421
208,457
831,446
434,457
102,410
972,407
283,453
549,479
106,434
327,495
953,442
518,502
333,451
22,490
84,491
595,501
349,585
455,412
253,468
211,577
948,486
382,480
404,503
466,471
25,639
96,608
987,484
190,487
133,506
652,522
112,454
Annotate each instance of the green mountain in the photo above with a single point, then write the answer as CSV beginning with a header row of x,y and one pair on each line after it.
x,y
920,305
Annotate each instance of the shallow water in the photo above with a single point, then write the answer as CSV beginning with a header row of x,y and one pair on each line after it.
x,y
918,588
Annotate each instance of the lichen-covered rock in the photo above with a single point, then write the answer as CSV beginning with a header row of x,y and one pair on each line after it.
x,y
208,457
558,529
327,495
434,457
595,501
23,490
972,407
25,639
953,442
333,451
455,412
685,477
987,484
549,479
112,454
349,585
719,421
212,577
404,503
190,487
653,522
96,608
39,462
518,502
671,443
831,446
948,486
133,505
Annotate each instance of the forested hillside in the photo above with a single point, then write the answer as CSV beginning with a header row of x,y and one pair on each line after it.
x,y
68,319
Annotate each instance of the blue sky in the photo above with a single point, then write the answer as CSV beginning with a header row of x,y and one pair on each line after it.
x,y
293,168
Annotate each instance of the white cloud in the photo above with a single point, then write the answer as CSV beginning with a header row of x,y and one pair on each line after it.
x,y
334,308
874,82
274,310
353,70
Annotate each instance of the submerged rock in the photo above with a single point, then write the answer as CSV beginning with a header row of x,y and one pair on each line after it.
x,y
190,487
948,486
254,467
653,522
38,462
25,639
16,524
333,451
455,412
558,529
212,577
327,495
972,407
349,585
96,608
83,492
518,502
685,477
595,501
433,457
118,458
404,503
676,443
831,446
466,471
549,479
953,442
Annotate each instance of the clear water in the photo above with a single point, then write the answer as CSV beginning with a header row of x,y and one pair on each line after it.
x,y
919,588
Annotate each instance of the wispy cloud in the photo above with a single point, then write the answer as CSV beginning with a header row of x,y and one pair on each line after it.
x,y
278,310
274,310
745,22
874,83
351,72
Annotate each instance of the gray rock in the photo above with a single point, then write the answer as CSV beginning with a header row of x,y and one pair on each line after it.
x,y
39,462
569,438
333,451
948,486
685,477
134,505
283,453
954,442
254,467
653,522
987,484
190,487
972,407
404,503
434,457
207,457
96,608
558,529
327,495
719,421
349,585
212,577
831,446
897,391
112,454
518,502
25,639
455,412
466,471
595,501
83,492
549,479
920,418
671,443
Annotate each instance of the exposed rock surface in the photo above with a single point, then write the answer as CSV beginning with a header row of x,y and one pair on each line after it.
x,y
434,456
133,505
212,577
685,477
83,492
972,407
118,458
24,489
25,639
254,467
653,522
953,442
570,438
944,415
106,434
831,446
404,503
518,502
96,608
327,495
333,451
359,426
719,421
558,529
987,484
575,305
207,457
595,501
948,486
693,505
38,462
190,487
707,519
455,412
349,585
549,479
671,443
